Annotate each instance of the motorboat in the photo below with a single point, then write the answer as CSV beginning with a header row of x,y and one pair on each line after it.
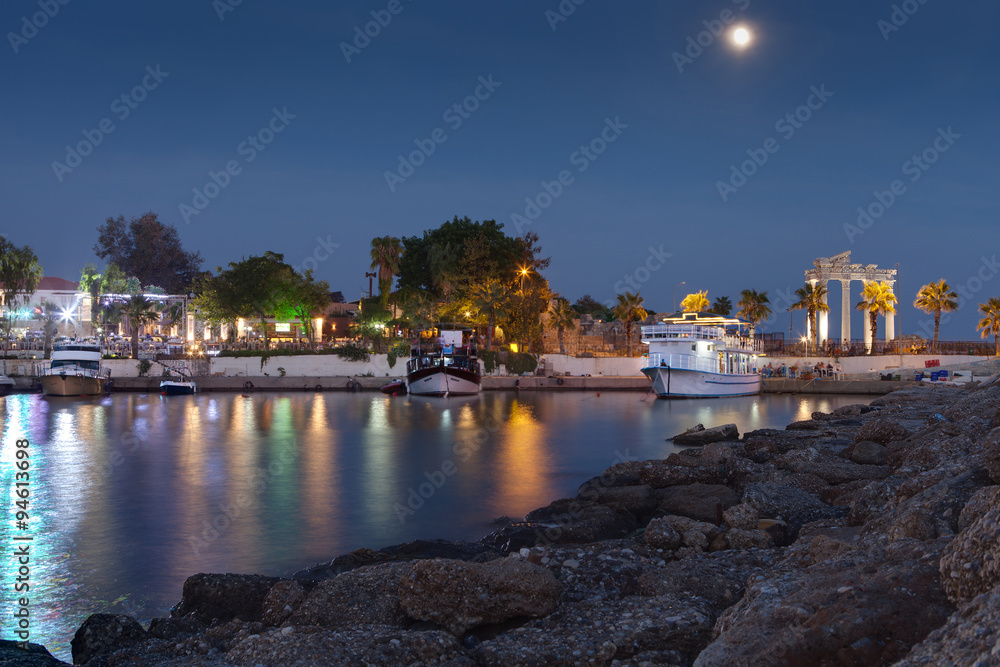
x,y
701,355
396,387
75,370
183,385
444,365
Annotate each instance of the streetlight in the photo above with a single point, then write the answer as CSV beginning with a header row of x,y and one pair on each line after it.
x,y
524,317
683,282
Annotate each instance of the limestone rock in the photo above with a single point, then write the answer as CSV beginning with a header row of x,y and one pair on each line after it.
x,y
699,435
695,536
970,637
833,469
719,577
459,595
739,538
660,474
866,452
991,454
638,499
368,595
720,452
981,502
970,565
571,520
703,502
741,516
104,633
220,597
477,552
660,535
882,430
35,656
281,601
778,501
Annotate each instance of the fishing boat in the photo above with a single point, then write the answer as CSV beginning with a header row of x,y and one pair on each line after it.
x,y
444,365
75,370
701,355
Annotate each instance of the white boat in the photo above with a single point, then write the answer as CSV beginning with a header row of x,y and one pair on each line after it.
x,y
75,370
701,355
182,385
444,368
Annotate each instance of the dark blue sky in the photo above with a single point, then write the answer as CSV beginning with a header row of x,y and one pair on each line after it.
x,y
657,184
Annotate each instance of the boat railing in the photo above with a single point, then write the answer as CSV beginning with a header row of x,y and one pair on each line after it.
x,y
74,370
665,333
688,362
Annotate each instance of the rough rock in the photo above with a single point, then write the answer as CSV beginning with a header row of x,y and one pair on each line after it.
x,y
866,452
719,577
981,502
703,502
699,435
366,595
281,601
831,468
477,552
661,535
882,430
460,595
585,633
991,454
778,501
695,536
639,499
660,474
220,597
857,610
970,637
571,520
104,633
720,452
35,656
742,516
599,571
970,565
739,538
516,536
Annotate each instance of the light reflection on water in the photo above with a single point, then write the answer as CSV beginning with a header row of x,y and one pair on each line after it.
x,y
133,493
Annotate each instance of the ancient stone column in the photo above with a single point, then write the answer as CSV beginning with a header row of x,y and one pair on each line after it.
x,y
845,313
823,318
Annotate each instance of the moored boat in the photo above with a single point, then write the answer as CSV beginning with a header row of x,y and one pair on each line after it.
x,y
75,370
6,385
183,385
395,388
446,367
701,355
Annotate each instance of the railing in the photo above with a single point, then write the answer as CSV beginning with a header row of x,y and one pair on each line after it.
x,y
683,332
684,361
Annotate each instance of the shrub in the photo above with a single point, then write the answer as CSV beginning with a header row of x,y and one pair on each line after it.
x,y
519,363
144,366
352,352
398,350
490,359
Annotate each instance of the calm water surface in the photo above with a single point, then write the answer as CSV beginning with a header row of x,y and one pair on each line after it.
x,y
132,493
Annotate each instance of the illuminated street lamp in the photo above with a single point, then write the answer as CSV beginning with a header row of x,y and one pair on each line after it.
x,y
683,282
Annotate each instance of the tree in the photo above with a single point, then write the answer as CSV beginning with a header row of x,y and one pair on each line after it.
x,y
628,310
588,305
20,274
876,299
308,298
722,306
812,299
990,324
151,251
173,314
936,298
490,299
755,307
385,253
49,316
138,311
563,319
694,303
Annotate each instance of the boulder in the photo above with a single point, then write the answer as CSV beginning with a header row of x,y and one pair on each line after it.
x,y
217,598
882,430
866,452
638,499
460,595
703,502
852,611
660,535
779,501
991,454
970,565
720,452
981,502
104,633
970,637
833,469
281,601
571,520
719,577
739,538
596,572
473,551
699,435
660,474
741,516
516,536
368,595
36,655
695,536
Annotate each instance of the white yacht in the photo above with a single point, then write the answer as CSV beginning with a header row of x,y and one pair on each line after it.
x,y
701,355
75,370
446,367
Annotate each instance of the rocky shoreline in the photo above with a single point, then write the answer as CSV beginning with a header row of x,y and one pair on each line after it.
x,y
869,536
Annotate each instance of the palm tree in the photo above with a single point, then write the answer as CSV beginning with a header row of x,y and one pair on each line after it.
x,y
812,299
490,299
386,252
48,314
694,303
936,298
755,307
876,299
138,311
628,310
722,306
990,324
563,318
173,315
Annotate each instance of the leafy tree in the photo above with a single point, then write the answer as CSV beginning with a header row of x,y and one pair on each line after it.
x,y
138,311
628,310
990,324
490,300
876,299
563,318
307,298
20,274
520,317
48,314
812,299
695,303
722,306
755,307
936,298
588,305
385,254
146,248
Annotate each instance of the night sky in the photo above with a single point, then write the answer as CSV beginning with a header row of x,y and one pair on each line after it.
x,y
611,118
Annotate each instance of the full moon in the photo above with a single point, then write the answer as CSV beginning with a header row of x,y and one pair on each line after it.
x,y
741,37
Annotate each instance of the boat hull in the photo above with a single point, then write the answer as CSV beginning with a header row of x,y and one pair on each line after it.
x,y
685,383
73,385
438,381
177,388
